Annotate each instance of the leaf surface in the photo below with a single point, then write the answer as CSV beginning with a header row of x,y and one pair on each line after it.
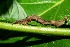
x,y
48,10
14,12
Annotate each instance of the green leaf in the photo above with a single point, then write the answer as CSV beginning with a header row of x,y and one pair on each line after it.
x,y
14,12
36,40
58,12
38,7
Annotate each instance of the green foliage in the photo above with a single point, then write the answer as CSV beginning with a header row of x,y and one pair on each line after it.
x,y
14,10
38,7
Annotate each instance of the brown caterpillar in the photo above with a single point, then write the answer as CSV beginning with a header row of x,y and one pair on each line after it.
x,y
40,20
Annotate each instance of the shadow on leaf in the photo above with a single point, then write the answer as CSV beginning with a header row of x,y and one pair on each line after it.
x,y
65,26
5,35
4,6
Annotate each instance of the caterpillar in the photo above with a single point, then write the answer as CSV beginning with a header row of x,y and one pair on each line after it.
x,y
42,21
